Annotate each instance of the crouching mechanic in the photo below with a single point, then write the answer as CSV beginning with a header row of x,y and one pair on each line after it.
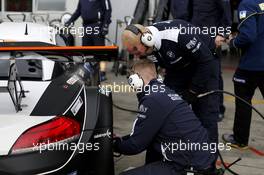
x,y
191,68
165,123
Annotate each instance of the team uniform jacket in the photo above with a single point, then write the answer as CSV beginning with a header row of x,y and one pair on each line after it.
x,y
251,35
212,13
165,119
203,13
178,51
180,9
93,11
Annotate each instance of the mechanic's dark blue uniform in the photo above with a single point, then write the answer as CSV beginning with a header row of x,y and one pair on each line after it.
x,y
180,9
96,15
212,13
216,16
189,64
165,121
203,13
250,72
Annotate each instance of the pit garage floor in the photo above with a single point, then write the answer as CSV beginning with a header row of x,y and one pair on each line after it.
x,y
252,162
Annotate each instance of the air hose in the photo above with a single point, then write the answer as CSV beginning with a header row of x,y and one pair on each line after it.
x,y
201,96
237,97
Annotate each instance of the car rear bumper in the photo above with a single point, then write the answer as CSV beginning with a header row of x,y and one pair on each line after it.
x,y
35,163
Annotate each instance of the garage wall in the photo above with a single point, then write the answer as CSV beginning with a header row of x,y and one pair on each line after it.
x,y
121,8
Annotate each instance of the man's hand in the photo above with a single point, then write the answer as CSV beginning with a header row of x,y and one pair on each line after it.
x,y
219,41
116,141
230,38
189,96
104,30
68,23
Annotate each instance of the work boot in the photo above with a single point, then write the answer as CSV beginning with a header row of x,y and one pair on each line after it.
x,y
229,138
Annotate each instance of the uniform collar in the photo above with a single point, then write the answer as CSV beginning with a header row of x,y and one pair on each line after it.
x,y
154,81
155,32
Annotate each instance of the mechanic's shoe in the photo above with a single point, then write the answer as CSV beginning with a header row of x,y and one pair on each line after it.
x,y
103,76
229,138
221,116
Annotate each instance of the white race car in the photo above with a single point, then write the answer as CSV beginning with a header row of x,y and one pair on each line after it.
x,y
51,121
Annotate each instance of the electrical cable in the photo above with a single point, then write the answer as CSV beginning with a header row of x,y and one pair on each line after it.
x,y
237,97
204,95
228,167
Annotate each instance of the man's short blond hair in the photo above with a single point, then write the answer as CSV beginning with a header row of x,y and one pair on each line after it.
x,y
144,64
129,38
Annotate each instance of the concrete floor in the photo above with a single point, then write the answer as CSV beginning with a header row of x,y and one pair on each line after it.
x,y
251,163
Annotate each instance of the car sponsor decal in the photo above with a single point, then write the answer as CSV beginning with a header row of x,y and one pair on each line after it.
x,y
77,106
72,80
107,134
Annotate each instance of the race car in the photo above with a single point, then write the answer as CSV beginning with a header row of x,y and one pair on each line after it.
x,y
52,120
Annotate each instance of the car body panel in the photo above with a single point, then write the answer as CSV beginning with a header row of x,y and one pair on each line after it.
x,y
27,31
12,123
79,101
13,127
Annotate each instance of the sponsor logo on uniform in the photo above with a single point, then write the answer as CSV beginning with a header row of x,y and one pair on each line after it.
x,y
238,80
242,14
162,22
261,6
197,47
192,43
171,54
174,97
142,109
